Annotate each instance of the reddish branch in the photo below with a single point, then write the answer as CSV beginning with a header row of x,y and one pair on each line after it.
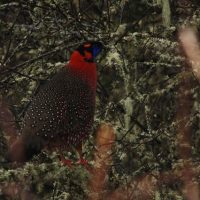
x,y
104,141
14,190
191,49
7,122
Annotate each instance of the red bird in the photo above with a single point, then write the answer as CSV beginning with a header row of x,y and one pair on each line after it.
x,y
61,114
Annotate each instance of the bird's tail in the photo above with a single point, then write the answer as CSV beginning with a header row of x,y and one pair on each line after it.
x,y
24,148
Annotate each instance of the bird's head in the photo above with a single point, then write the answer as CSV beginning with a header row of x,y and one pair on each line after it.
x,y
82,62
90,50
87,52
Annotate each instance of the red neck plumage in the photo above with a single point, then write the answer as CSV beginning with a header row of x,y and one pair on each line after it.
x,y
86,70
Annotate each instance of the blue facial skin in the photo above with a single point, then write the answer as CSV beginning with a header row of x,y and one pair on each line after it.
x,y
96,50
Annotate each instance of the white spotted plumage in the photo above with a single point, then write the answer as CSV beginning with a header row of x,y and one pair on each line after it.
x,y
62,111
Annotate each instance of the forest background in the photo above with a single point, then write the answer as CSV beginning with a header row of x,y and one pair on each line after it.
x,y
146,91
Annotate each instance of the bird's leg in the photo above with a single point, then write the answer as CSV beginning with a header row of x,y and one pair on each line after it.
x,y
81,160
64,161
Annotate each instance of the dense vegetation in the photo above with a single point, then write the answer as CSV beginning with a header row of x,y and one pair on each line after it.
x,y
140,72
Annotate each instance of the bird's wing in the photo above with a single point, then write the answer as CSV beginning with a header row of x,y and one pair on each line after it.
x,y
64,106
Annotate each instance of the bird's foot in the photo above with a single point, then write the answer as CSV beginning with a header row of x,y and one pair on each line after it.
x,y
66,162
82,161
